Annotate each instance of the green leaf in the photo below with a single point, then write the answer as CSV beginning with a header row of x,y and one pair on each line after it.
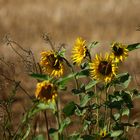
x,y
125,111
64,124
116,116
84,65
83,73
88,137
75,136
44,106
133,46
80,111
122,80
116,133
85,99
127,99
135,93
62,81
61,53
52,130
86,124
79,90
91,84
40,76
69,109
39,137
92,45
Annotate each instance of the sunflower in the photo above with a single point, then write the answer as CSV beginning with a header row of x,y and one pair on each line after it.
x,y
51,64
46,91
119,52
103,133
103,68
79,51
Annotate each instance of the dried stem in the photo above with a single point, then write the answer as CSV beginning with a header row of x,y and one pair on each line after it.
x,y
47,127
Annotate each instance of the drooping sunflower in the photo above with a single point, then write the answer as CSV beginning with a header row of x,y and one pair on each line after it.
x,y
103,68
119,51
51,64
79,51
46,91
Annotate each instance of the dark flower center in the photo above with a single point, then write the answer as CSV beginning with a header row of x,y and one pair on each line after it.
x,y
105,68
103,134
54,62
117,50
46,92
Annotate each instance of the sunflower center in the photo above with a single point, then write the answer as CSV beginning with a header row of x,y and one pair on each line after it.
x,y
54,62
46,92
117,50
105,68
81,51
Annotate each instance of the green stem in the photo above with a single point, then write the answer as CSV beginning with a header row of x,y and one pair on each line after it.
x,y
106,109
97,110
72,70
58,119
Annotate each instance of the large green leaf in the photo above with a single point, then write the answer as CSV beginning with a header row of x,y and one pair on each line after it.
x,y
122,79
133,46
69,109
40,76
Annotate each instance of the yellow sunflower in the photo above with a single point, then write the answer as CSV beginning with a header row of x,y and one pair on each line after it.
x,y
46,91
51,64
103,133
79,51
119,52
103,68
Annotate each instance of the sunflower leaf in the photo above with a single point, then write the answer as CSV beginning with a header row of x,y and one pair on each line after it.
x,y
132,47
91,84
86,98
83,73
40,76
64,124
69,109
93,45
116,133
122,79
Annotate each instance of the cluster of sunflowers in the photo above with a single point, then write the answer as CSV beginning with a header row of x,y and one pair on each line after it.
x,y
101,114
102,68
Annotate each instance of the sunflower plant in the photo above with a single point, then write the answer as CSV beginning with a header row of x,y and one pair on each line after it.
x,y
102,100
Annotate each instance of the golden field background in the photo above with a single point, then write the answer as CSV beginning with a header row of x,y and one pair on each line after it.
x,y
95,20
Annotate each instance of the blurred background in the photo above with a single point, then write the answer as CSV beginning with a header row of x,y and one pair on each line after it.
x,y
95,20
